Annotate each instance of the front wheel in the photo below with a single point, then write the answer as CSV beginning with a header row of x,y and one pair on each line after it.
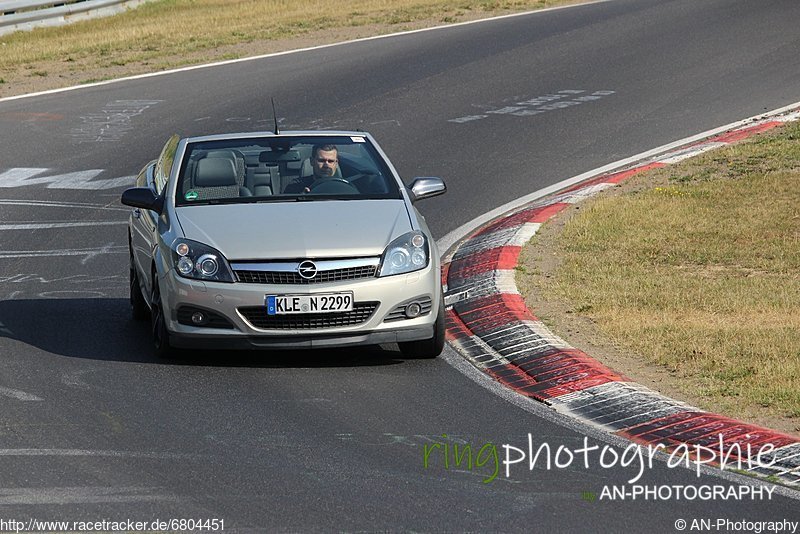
x,y
158,323
428,348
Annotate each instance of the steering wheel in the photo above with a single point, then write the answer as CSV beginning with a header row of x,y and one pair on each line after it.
x,y
333,185
369,183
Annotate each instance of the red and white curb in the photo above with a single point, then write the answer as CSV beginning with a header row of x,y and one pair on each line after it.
x,y
489,324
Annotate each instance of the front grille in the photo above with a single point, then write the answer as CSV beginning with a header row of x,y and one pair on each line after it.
x,y
258,318
284,277
399,313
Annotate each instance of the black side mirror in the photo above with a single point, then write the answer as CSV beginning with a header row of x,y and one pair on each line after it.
x,y
143,197
426,187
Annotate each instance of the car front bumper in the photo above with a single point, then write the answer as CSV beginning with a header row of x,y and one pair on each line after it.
x,y
228,299
298,341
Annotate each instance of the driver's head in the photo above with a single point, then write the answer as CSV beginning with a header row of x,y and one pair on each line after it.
x,y
324,159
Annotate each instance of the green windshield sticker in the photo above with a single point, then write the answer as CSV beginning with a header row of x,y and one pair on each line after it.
x,y
191,195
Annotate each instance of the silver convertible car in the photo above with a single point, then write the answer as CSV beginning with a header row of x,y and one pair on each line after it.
x,y
285,241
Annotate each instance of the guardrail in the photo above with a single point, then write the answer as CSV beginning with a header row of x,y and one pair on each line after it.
x,y
27,14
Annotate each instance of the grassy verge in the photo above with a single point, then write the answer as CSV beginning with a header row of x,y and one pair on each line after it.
x,y
688,276
168,33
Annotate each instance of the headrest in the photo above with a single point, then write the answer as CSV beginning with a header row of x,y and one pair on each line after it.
x,y
273,156
212,172
221,154
264,177
306,169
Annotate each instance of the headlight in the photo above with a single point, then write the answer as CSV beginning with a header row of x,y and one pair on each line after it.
x,y
407,253
200,262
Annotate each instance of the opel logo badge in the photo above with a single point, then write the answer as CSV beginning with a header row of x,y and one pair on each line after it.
x,y
307,270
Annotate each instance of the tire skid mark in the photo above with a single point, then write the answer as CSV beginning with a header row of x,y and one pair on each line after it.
x,y
84,495
19,395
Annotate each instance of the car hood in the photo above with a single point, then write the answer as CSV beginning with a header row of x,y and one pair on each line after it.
x,y
285,230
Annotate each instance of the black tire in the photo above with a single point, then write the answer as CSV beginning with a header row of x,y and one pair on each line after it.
x,y
139,308
158,324
428,348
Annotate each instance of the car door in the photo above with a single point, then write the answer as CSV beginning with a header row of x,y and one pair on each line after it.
x,y
144,235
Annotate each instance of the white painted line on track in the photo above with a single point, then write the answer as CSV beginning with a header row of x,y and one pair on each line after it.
x,y
52,204
791,117
90,452
48,226
298,50
83,495
19,395
690,153
63,252
789,457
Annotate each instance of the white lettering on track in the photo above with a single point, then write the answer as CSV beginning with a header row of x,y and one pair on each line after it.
x,y
527,107
83,180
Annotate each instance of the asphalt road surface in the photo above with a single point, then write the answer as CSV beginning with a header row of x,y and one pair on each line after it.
x,y
93,427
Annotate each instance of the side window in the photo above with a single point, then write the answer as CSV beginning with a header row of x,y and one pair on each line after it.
x,y
164,163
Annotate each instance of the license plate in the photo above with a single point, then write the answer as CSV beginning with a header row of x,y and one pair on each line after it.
x,y
321,303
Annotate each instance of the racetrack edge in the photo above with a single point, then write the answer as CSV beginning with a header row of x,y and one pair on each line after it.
x,y
489,324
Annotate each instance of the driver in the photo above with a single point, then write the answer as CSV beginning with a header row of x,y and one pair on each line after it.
x,y
324,160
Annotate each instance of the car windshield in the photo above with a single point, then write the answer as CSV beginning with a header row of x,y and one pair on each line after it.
x,y
282,169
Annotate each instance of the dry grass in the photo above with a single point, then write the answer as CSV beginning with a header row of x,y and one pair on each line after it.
x,y
696,269
168,33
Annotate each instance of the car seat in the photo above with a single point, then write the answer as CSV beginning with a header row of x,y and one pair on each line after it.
x,y
263,180
217,177
289,163
234,155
